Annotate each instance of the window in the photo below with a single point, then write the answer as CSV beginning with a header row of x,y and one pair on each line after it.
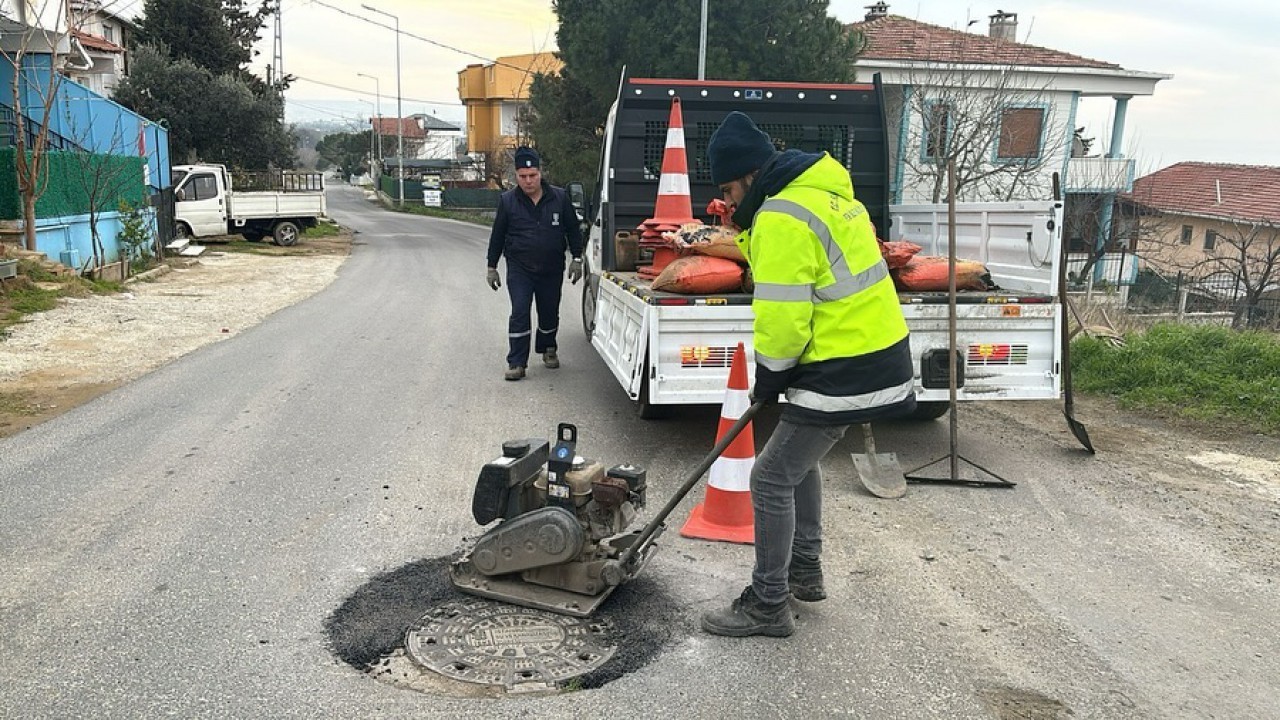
x,y
1210,238
937,121
109,33
200,187
1020,131
1187,232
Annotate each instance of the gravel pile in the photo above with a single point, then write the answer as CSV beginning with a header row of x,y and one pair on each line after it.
x,y
115,338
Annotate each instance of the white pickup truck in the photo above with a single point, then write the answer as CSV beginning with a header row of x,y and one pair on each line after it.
x,y
277,204
670,349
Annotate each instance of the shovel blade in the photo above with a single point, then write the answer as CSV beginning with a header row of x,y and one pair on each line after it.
x,y
881,474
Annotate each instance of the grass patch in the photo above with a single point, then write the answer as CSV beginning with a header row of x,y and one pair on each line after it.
x,y
477,217
22,296
1214,375
323,229
15,404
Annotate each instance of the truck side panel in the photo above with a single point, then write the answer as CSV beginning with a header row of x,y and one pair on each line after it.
x,y
260,205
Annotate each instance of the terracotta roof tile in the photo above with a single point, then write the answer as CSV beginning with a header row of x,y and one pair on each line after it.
x,y
1249,192
96,42
894,37
387,126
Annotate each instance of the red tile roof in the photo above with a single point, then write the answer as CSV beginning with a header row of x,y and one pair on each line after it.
x,y
1249,192
387,126
96,42
893,37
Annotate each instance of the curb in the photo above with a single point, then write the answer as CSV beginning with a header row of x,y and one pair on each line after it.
x,y
151,274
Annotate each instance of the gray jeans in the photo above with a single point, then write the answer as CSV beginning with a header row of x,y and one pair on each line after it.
x,y
786,495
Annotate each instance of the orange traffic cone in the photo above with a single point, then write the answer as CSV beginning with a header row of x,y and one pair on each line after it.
x,y
674,206
725,513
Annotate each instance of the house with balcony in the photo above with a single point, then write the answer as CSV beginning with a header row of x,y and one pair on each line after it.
x,y
496,96
1004,111
97,153
103,38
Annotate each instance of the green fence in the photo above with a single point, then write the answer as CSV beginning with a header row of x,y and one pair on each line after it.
x,y
470,198
75,180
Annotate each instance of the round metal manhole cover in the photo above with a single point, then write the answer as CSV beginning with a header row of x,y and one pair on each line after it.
x,y
492,643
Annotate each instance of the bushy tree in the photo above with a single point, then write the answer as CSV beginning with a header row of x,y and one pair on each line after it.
x,y
216,118
347,151
787,40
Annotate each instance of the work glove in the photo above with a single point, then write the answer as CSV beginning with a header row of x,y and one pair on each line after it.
x,y
768,398
492,278
575,271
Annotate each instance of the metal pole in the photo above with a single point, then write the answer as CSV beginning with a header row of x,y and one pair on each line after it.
x,y
702,45
399,107
951,313
377,128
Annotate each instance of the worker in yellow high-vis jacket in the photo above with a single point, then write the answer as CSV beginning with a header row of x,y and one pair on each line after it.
x,y
829,335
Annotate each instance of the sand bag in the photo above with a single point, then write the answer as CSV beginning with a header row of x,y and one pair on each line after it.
x,y
897,253
699,274
713,240
928,273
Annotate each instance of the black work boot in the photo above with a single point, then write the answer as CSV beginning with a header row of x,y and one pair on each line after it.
x,y
805,579
748,615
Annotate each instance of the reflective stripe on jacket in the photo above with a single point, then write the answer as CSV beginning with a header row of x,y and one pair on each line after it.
x,y
828,324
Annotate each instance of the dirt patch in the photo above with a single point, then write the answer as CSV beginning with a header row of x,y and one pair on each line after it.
x,y
87,346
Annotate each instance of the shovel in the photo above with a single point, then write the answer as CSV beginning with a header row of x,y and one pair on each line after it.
x,y
1068,409
879,473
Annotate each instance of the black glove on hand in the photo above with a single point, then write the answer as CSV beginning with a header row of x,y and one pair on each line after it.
x,y
492,278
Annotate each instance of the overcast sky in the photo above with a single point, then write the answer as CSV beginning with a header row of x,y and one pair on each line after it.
x,y
1221,105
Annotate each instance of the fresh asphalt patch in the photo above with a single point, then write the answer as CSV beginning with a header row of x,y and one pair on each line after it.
x,y
369,627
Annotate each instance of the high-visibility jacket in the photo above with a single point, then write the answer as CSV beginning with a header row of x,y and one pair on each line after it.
x,y
828,325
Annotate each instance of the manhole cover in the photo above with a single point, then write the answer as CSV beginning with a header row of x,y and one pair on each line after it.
x,y
481,641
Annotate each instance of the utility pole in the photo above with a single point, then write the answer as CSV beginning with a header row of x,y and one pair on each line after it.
x,y
399,107
702,45
377,128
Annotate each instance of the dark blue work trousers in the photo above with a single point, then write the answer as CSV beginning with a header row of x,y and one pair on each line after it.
x,y
526,288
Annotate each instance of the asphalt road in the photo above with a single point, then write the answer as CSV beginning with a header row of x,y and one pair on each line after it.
x,y
180,546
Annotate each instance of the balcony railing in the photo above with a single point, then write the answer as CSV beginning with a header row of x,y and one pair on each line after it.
x,y
1099,174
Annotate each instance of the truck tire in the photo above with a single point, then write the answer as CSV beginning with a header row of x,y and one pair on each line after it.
x,y
181,231
929,410
590,291
285,233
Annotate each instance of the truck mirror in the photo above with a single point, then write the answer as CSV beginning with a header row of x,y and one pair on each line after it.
x,y
578,197
181,195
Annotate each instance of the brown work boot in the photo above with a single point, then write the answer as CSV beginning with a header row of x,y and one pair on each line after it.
x,y
749,615
550,360
514,372
805,579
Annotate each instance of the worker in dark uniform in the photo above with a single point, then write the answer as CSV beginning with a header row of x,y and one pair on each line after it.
x,y
535,225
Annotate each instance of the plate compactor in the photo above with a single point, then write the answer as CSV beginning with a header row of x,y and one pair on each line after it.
x,y
562,543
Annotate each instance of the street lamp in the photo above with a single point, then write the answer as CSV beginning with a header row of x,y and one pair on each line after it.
x,y
378,125
399,111
372,157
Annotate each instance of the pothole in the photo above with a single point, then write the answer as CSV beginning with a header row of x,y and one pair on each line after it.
x,y
1017,704
368,632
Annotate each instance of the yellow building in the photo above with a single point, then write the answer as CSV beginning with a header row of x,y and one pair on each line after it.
x,y
496,95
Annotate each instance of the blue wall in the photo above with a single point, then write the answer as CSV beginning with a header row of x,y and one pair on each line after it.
x,y
69,240
89,120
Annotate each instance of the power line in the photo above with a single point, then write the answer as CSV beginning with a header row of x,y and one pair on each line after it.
x,y
369,94
429,41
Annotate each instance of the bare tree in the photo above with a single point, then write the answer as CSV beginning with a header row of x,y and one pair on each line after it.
x,y
1003,127
34,90
104,176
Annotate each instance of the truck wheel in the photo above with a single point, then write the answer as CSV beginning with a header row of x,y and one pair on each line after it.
x,y
285,234
181,231
590,288
929,411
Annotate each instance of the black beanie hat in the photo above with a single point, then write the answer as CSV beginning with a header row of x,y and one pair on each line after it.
x,y
737,148
527,157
